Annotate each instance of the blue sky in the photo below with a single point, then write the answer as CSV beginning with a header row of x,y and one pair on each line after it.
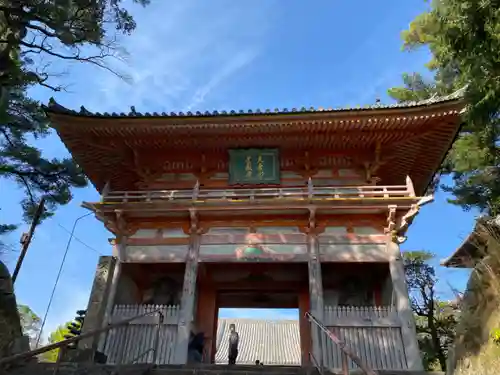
x,y
222,54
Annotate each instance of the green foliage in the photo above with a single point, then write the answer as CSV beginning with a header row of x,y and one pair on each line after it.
x,y
495,335
56,336
24,164
464,39
435,320
5,228
64,332
33,34
30,29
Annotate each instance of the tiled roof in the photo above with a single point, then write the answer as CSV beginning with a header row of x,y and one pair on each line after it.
x,y
273,342
474,247
54,107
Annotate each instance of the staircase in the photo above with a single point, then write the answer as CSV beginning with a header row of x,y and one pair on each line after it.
x,y
26,364
139,369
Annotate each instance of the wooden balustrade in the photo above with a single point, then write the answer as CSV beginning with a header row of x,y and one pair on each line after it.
x,y
133,344
261,194
372,332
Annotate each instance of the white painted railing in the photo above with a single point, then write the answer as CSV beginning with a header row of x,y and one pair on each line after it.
x,y
135,343
262,194
372,332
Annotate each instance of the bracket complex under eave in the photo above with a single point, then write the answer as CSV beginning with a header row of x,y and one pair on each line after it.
x,y
398,233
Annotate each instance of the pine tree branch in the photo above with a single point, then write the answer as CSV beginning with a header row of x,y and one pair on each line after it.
x,y
23,179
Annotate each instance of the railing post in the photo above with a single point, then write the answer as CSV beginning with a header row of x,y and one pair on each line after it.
x,y
105,192
60,356
196,190
310,188
409,186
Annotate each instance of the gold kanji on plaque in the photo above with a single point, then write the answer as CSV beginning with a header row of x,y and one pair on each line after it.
x,y
248,166
260,167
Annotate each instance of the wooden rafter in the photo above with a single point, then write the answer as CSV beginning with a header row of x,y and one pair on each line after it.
x,y
129,155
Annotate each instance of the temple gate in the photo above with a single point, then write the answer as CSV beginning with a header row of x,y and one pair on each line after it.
x,y
300,209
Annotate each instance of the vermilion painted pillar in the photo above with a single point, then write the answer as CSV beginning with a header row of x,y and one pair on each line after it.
x,y
206,318
304,326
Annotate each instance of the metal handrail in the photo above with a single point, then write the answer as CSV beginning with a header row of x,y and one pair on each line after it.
x,y
153,349
342,346
141,355
316,364
64,343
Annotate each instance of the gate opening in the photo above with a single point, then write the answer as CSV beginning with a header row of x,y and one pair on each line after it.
x,y
270,336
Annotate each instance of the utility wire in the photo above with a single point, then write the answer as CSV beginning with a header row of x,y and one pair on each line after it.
x,y
80,241
59,276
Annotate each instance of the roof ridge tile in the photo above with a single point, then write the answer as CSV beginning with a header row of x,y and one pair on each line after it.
x,y
55,107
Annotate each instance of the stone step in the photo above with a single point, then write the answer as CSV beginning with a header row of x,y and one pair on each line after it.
x,y
146,369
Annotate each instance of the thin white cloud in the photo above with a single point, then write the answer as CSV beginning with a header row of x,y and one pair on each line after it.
x,y
181,54
235,63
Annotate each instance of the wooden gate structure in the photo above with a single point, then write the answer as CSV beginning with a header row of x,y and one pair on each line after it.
x,y
307,206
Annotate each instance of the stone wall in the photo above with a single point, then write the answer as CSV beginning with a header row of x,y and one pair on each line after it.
x,y
98,300
480,310
11,336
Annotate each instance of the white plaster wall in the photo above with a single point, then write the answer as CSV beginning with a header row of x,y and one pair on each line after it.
x,y
353,252
156,253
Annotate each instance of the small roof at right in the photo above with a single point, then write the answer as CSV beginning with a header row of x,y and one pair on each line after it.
x,y
477,244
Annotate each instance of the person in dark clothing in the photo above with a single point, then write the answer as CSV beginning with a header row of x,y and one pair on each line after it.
x,y
234,340
195,346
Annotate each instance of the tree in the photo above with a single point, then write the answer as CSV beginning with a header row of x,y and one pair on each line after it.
x,y
59,29
30,323
5,228
33,35
435,319
464,41
33,32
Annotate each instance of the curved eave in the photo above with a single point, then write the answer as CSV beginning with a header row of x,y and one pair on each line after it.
x,y
66,119
94,139
464,256
54,107
474,247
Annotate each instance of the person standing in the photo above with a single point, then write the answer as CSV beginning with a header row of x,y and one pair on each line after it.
x,y
196,344
234,340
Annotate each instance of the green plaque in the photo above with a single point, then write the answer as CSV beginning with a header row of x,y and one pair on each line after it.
x,y
254,166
